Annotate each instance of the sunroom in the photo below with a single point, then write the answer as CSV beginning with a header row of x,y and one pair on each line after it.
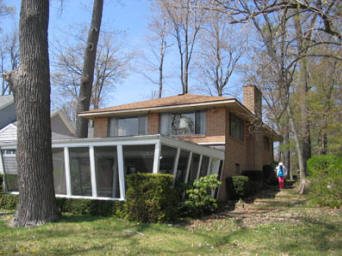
x,y
96,168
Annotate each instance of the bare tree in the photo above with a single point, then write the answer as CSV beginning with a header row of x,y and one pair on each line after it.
x,y
158,44
30,84
110,68
221,48
186,18
9,58
87,78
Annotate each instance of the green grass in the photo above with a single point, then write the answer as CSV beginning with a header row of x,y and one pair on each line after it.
x,y
280,225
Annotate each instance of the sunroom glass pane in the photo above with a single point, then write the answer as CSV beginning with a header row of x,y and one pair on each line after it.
x,y
194,167
107,175
167,159
58,171
204,166
80,171
182,166
138,158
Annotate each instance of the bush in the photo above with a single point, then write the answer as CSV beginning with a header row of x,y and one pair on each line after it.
x,y
8,202
151,198
241,186
270,176
256,181
199,200
325,173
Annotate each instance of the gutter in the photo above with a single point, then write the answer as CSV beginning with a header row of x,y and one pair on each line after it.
x,y
103,113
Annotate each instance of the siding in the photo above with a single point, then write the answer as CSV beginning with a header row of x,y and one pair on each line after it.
x,y
7,115
10,164
9,133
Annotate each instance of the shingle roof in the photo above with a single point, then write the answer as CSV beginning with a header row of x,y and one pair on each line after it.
x,y
6,100
163,102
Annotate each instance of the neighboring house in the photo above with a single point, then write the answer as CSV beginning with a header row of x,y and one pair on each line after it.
x,y
60,127
218,122
7,110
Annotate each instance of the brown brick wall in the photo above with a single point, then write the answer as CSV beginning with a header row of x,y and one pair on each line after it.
x,y
252,99
215,122
153,123
101,127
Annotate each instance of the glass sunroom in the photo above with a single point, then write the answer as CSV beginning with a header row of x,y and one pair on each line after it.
x,y
96,168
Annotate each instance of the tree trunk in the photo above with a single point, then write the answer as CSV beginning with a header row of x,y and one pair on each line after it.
x,y
31,88
287,153
302,172
88,69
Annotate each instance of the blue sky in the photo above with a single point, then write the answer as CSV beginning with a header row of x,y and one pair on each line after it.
x,y
130,17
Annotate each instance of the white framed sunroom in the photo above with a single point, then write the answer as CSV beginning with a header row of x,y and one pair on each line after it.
x,y
95,168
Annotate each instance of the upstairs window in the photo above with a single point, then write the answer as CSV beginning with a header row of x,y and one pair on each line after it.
x,y
128,126
187,123
235,127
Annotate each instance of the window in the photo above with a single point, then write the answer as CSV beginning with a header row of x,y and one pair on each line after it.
x,y
182,167
138,158
167,159
129,126
9,152
58,171
107,175
193,168
183,123
80,171
204,166
235,127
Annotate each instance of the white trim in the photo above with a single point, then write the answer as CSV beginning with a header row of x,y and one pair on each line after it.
x,y
212,143
92,171
121,173
67,171
188,168
199,167
175,165
156,159
105,143
171,107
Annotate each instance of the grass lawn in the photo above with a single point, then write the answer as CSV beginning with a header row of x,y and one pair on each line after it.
x,y
274,224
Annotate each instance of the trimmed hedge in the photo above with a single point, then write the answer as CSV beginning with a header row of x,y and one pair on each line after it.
x,y
8,202
151,198
325,173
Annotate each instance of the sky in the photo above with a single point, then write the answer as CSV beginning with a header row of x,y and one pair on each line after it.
x,y
130,17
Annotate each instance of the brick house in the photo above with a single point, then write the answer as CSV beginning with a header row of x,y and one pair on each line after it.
x,y
218,122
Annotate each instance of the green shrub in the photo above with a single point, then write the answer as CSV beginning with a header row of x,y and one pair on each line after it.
x,y
270,176
151,198
8,202
325,173
199,200
89,206
255,180
241,186
1,183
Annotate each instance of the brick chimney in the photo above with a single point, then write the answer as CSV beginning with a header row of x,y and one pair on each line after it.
x,y
252,99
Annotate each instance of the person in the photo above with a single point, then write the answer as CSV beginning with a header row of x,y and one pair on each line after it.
x,y
281,174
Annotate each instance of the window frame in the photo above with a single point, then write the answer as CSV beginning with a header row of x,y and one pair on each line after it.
x,y
234,118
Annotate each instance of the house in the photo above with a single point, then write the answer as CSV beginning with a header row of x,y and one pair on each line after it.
x,y
60,127
188,136
217,122
7,110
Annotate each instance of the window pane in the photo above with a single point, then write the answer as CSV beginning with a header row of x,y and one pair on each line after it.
x,y
165,126
10,168
128,126
204,166
236,127
12,182
214,166
106,169
138,158
193,168
167,159
113,127
80,171
58,171
182,165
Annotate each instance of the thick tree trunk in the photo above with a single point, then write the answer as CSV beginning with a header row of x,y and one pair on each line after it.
x,y
31,88
88,69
